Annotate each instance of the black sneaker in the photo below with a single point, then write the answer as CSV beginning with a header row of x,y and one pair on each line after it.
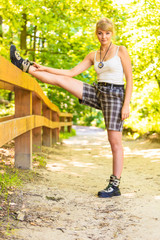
x,y
109,191
112,189
18,61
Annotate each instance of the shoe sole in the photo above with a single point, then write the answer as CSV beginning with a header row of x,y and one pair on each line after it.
x,y
103,195
12,52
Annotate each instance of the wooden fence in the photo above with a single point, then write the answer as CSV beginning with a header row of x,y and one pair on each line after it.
x,y
36,122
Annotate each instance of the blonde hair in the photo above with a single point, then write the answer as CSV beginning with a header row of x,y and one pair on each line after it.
x,y
104,24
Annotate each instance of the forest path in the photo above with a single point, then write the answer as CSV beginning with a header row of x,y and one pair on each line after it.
x,y
63,205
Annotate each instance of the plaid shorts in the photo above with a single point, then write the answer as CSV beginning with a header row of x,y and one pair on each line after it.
x,y
108,98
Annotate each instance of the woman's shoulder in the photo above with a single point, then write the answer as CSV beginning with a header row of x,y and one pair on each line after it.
x,y
123,53
122,49
91,56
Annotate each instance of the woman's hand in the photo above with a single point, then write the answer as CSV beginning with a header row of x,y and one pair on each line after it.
x,y
39,67
125,112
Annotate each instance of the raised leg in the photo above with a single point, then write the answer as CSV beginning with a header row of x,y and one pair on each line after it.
x,y
70,84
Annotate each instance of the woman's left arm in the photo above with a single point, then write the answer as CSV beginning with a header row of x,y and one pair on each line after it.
x,y
127,68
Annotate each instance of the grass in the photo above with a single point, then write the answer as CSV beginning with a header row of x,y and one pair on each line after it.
x,y
12,178
67,135
9,179
39,160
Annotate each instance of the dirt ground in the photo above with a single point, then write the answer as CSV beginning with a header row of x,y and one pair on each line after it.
x,y
62,204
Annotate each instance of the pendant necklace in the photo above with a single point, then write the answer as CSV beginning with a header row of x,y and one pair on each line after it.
x,y
100,65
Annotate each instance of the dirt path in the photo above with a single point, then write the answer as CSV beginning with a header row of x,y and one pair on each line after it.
x,y
63,204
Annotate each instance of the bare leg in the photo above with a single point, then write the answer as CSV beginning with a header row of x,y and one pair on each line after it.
x,y
115,139
70,84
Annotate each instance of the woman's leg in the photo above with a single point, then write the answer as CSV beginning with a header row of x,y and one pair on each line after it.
x,y
115,139
70,84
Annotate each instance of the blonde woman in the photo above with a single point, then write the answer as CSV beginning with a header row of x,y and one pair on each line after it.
x,y
111,62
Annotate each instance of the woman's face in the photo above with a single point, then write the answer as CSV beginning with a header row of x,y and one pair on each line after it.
x,y
104,37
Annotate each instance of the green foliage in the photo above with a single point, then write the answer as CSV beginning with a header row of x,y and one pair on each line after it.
x,y
65,35
66,135
142,36
8,179
6,110
145,110
41,160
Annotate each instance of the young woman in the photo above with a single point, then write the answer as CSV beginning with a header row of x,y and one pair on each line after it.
x,y
110,63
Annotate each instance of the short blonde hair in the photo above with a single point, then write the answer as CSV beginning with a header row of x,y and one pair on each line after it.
x,y
105,24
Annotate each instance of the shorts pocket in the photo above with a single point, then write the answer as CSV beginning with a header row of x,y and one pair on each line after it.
x,y
117,93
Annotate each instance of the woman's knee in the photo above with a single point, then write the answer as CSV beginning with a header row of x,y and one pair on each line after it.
x,y
116,146
115,140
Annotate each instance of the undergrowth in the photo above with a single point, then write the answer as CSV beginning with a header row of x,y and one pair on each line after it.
x,y
66,135
9,179
40,161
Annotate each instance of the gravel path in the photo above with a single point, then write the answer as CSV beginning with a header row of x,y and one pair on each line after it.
x,y
63,205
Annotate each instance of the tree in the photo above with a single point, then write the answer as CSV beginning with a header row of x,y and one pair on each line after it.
x,y
141,34
1,31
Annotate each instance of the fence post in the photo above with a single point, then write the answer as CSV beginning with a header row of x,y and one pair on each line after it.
x,y
62,120
37,132
55,131
47,132
69,127
23,143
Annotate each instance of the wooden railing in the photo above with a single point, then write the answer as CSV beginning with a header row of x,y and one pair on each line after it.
x,y
36,122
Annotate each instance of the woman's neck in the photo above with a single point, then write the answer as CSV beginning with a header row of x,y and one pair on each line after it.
x,y
105,46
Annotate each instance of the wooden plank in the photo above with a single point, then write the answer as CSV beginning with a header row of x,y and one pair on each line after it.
x,y
6,118
6,86
62,114
17,127
37,132
43,121
63,124
21,125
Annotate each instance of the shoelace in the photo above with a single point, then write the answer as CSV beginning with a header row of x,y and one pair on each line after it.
x,y
26,61
17,55
109,188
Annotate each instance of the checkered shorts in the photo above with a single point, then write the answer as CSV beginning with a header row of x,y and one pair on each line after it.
x,y
108,98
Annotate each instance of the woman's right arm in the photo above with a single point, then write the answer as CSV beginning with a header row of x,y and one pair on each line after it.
x,y
81,67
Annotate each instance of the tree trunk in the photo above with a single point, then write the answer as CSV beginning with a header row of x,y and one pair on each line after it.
x,y
158,81
34,42
1,31
10,94
43,42
23,35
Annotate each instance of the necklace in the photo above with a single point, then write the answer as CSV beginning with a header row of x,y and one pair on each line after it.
x,y
100,65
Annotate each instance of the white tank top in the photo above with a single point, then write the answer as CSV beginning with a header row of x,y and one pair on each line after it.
x,y
112,71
